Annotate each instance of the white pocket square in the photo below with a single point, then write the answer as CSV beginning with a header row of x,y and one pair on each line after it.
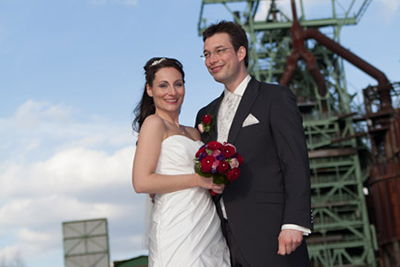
x,y
250,120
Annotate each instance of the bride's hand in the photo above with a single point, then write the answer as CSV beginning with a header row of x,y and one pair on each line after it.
x,y
208,183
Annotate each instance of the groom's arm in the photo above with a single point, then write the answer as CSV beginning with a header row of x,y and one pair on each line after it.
x,y
289,137
290,142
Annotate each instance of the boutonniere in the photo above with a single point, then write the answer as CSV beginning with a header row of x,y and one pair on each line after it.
x,y
207,122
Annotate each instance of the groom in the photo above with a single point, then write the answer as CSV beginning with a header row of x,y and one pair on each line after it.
x,y
266,212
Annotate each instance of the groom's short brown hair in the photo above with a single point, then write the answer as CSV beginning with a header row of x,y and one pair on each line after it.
x,y
236,34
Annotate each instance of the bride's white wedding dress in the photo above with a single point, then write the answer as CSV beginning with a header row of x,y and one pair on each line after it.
x,y
184,227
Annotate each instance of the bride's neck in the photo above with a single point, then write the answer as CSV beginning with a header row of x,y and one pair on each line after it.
x,y
171,118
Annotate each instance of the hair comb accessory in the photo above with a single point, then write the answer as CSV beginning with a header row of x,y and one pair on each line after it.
x,y
156,62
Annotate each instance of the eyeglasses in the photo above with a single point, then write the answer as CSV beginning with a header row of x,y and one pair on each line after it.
x,y
218,52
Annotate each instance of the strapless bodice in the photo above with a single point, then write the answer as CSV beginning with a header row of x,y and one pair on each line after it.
x,y
177,155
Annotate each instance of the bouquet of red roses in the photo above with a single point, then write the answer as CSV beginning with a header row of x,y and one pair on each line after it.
x,y
220,161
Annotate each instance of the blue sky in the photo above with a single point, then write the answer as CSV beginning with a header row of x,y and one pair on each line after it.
x,y
71,72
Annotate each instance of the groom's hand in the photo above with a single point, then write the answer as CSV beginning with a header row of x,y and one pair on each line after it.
x,y
289,240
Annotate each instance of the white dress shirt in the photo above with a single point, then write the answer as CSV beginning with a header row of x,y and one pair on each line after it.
x,y
226,113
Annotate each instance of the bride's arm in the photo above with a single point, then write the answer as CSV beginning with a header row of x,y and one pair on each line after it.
x,y
144,178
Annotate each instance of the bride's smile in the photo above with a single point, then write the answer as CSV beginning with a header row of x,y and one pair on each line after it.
x,y
167,90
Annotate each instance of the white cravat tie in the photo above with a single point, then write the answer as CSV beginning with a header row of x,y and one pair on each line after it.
x,y
226,113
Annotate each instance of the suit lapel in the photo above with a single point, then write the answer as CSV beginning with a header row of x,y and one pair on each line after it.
x,y
243,110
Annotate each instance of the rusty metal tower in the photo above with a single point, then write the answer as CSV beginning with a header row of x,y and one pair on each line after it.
x,y
350,150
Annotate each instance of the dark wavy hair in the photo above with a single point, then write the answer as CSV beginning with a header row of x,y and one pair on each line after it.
x,y
237,35
146,105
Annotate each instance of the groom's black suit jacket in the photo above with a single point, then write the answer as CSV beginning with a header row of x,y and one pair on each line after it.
x,y
274,184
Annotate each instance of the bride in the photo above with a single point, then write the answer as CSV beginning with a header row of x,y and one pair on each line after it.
x,y
184,227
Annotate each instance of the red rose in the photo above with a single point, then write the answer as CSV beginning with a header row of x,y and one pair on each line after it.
x,y
206,119
201,150
239,158
212,192
228,150
213,145
223,166
233,174
207,163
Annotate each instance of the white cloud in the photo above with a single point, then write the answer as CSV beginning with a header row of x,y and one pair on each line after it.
x,y
29,114
390,9
36,242
310,6
72,170
38,128
30,245
11,256
61,166
264,7
30,236
53,209
38,222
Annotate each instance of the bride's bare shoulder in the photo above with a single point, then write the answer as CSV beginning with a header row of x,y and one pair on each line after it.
x,y
153,124
153,121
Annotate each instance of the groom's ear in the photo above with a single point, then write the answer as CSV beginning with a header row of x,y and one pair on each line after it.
x,y
241,53
149,91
